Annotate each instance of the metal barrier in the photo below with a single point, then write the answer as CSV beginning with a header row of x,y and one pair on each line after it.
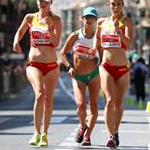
x,y
11,83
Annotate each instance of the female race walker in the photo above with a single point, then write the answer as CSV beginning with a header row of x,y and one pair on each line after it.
x,y
115,34
42,68
85,73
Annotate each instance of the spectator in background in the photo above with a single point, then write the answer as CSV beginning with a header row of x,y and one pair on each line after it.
x,y
146,52
1,48
140,73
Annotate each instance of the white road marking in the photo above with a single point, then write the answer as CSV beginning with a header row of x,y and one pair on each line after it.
x,y
57,91
69,141
130,131
73,133
149,131
67,91
63,149
58,119
54,120
100,118
148,122
4,119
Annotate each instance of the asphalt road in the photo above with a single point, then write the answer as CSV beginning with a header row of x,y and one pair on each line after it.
x,y
16,122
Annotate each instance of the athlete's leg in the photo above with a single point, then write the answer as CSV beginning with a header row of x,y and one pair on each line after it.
x,y
120,91
79,89
35,77
107,85
94,87
50,82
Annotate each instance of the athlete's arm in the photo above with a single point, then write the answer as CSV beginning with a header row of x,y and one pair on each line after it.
x,y
20,32
97,38
100,52
55,31
127,38
67,46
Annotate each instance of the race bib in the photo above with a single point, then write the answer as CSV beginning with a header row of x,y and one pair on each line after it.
x,y
41,41
110,41
82,51
40,36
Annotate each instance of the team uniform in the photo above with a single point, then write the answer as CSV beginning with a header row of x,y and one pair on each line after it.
x,y
40,36
81,48
109,40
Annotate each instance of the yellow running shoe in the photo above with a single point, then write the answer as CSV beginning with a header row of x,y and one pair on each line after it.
x,y
43,140
35,139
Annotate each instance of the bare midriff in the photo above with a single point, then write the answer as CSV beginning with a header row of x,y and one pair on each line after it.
x,y
115,56
83,66
44,54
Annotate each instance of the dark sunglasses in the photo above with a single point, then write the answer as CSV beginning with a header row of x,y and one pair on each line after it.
x,y
42,1
90,17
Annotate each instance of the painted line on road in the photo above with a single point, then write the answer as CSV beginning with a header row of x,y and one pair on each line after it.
x,y
54,120
69,141
58,119
4,119
67,91
63,149
149,131
130,131
57,91
148,122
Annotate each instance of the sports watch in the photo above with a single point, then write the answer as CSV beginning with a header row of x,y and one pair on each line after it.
x,y
118,32
70,66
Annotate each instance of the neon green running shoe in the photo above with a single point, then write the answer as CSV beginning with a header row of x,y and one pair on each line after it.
x,y
43,140
35,139
140,105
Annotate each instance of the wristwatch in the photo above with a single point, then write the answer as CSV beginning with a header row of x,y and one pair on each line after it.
x,y
70,66
118,32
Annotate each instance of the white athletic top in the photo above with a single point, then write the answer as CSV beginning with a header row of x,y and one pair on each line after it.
x,y
82,46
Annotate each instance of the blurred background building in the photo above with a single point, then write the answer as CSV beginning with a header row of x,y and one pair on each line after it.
x,y
13,11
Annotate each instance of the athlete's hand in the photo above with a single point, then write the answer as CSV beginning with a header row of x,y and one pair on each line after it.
x,y
17,47
71,72
92,51
116,24
48,21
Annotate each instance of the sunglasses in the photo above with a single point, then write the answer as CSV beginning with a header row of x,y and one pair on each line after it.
x,y
90,17
44,1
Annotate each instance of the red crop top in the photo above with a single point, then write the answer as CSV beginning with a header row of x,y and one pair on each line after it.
x,y
39,33
110,39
